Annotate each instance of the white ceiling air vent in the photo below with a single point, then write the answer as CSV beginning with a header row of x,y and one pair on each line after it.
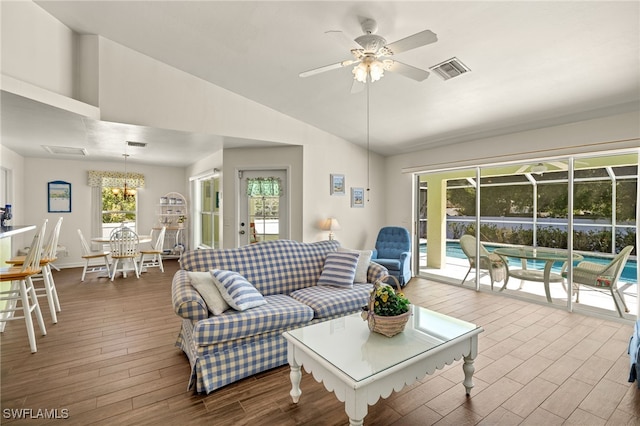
x,y
137,144
450,68
64,150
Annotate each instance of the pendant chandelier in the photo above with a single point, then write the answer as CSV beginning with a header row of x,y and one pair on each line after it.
x,y
127,192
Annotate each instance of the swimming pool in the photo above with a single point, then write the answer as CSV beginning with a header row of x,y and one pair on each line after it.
x,y
629,273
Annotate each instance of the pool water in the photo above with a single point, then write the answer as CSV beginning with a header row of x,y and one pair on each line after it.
x,y
629,273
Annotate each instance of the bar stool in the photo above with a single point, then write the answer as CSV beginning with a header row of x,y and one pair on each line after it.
x,y
22,290
46,276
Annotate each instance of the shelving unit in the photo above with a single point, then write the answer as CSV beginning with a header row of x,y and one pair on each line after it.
x,y
173,213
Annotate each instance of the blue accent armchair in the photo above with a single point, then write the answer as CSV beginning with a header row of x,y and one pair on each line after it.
x,y
393,251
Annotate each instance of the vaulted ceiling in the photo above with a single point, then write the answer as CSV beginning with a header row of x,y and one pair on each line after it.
x,y
532,64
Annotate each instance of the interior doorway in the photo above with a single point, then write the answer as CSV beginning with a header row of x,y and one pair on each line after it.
x,y
263,206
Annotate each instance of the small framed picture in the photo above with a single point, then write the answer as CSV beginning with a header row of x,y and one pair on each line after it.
x,y
59,197
337,185
357,197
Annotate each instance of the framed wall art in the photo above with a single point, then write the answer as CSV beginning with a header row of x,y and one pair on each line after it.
x,y
337,185
59,197
357,197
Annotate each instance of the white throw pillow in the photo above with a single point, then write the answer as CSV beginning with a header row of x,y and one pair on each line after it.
x,y
204,284
339,269
363,263
239,293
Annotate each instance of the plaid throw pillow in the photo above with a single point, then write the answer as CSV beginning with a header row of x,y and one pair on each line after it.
x,y
239,293
339,269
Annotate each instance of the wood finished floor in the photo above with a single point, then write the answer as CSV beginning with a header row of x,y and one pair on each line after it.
x,y
111,360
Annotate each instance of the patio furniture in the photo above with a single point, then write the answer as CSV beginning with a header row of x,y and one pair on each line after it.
x,y
393,251
548,256
602,277
492,263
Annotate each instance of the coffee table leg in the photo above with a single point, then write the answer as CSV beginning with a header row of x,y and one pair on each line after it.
x,y
295,374
468,369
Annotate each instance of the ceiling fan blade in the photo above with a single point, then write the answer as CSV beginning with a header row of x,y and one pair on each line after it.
x,y
408,71
420,39
560,165
327,68
340,38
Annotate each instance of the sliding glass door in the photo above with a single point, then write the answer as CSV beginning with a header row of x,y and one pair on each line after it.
x,y
585,206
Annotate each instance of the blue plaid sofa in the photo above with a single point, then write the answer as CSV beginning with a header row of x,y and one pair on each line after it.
x,y
225,348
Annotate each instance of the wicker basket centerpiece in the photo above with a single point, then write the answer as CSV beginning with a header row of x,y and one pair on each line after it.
x,y
388,310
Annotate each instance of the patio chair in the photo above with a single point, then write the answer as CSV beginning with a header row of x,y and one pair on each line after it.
x,y
602,277
490,262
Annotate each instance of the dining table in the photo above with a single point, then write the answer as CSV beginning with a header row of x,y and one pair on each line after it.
x,y
547,255
142,239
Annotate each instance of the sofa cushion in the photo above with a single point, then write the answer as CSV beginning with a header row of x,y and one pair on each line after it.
x,y
339,269
279,313
363,263
327,301
239,293
205,285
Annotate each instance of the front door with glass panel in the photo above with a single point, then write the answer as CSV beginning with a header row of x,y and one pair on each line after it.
x,y
263,206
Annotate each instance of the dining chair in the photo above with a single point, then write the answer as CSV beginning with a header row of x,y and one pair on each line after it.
x,y
124,249
22,290
154,253
48,256
490,262
88,255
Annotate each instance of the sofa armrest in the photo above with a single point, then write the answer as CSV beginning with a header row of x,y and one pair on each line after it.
x,y
187,302
375,272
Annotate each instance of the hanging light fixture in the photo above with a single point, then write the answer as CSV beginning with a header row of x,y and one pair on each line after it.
x,y
370,67
126,191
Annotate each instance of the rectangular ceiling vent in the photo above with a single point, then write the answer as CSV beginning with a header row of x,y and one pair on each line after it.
x,y
64,150
450,68
136,144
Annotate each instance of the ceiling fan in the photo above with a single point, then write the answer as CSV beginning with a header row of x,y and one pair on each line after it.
x,y
371,58
540,168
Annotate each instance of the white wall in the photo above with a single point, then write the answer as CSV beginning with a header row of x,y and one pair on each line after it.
x,y
15,163
37,48
603,134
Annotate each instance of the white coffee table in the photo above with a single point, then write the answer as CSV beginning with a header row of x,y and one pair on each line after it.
x,y
360,366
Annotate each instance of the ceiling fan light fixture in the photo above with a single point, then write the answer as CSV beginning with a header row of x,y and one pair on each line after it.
x,y
360,72
538,168
369,66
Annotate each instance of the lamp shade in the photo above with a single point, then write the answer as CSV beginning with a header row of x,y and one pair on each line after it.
x,y
331,224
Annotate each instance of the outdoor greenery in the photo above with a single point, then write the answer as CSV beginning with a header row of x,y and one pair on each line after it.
x,y
116,208
592,200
